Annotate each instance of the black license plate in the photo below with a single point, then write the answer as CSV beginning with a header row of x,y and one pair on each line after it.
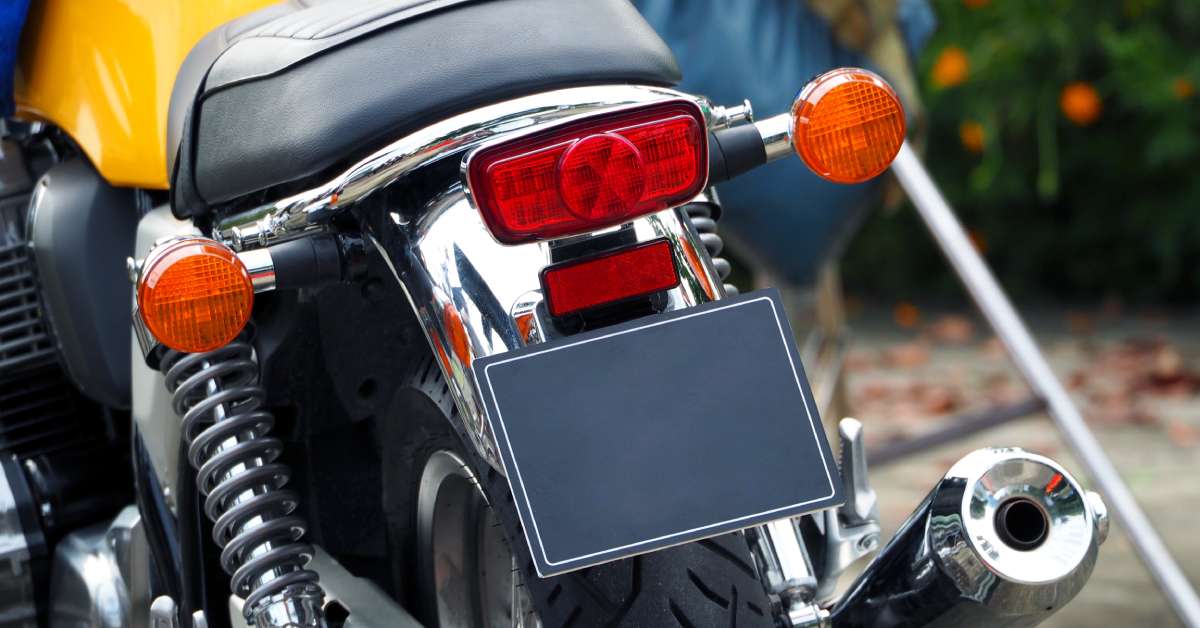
x,y
661,431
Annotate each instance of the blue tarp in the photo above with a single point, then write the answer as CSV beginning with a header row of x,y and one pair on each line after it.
x,y
12,16
765,50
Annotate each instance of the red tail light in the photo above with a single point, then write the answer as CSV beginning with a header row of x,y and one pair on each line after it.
x,y
637,271
591,174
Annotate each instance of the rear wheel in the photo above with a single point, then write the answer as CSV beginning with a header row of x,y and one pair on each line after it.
x,y
467,563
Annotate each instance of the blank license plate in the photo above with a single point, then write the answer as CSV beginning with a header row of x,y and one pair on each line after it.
x,y
657,432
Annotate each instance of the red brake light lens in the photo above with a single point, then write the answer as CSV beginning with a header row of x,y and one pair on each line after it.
x,y
582,284
591,174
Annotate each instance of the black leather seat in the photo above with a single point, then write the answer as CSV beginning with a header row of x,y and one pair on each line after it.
x,y
294,90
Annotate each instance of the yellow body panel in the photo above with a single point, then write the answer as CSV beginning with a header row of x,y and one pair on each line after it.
x,y
102,70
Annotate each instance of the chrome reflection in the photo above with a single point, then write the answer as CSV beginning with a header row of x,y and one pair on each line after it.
x,y
955,562
300,213
476,297
17,598
466,572
100,575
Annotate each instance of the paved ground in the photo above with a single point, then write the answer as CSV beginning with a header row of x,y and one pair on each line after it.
x,y
1135,376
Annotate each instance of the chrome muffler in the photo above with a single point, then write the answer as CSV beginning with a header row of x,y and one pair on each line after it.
x,y
1006,538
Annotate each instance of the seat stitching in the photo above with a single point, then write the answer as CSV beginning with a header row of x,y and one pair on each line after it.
x,y
335,27
271,28
317,15
314,17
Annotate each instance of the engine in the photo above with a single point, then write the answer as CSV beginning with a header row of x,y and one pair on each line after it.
x,y
63,460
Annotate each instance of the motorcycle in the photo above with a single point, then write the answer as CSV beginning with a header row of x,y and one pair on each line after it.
x,y
428,326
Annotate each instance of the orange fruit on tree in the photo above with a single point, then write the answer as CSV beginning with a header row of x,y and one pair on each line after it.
x,y
1080,103
1183,88
951,67
970,133
906,315
976,4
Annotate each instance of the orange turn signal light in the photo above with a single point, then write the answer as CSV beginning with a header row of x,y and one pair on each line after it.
x,y
194,295
847,125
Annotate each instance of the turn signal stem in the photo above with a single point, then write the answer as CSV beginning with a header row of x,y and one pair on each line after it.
x,y
306,262
734,151
847,126
195,294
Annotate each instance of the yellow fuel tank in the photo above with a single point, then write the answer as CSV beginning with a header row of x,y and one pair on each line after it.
x,y
102,70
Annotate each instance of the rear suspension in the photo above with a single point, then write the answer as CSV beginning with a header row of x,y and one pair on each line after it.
x,y
237,470
703,213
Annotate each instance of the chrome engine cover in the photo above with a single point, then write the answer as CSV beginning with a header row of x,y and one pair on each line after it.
x,y
18,605
100,576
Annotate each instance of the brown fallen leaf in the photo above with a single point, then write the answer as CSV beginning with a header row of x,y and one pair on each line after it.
x,y
1080,323
1001,389
907,411
1128,357
906,315
953,329
1182,434
1168,364
874,391
993,348
978,241
860,360
1141,417
1168,375
1111,407
907,355
939,400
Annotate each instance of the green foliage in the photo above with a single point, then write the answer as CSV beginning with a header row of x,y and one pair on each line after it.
x,y
1065,207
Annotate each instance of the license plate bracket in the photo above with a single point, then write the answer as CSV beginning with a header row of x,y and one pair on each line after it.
x,y
656,432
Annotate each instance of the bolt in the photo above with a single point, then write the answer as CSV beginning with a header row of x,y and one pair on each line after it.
x,y
868,543
132,268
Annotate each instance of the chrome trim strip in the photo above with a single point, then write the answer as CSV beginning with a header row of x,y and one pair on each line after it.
x,y
261,267
303,212
776,133
17,583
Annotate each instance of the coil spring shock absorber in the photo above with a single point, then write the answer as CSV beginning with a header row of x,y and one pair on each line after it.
x,y
254,521
703,214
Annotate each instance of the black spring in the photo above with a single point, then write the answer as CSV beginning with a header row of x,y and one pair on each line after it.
x,y
253,515
704,218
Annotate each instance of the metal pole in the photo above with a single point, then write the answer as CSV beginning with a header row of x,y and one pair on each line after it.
x,y
1029,360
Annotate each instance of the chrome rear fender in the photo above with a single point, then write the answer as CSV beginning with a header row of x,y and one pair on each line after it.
x,y
476,297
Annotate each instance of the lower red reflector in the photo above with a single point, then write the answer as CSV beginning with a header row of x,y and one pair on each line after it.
x,y
637,271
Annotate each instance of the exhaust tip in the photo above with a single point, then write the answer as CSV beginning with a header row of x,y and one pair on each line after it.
x,y
1022,515
1022,524
1006,538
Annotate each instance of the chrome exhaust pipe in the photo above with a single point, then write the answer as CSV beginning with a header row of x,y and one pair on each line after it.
x,y
1006,538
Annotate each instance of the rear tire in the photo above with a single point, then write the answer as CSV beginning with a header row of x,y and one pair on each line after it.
x,y
713,582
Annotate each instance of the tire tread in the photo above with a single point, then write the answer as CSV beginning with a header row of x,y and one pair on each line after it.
x,y
684,585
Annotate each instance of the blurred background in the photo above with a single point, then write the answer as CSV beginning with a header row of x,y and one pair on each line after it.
x,y
1067,136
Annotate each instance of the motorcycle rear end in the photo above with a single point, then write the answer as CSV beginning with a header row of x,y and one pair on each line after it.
x,y
377,212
